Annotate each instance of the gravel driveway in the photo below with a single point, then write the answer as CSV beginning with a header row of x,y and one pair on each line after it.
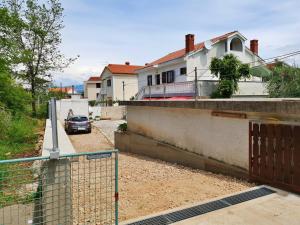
x,y
108,127
149,185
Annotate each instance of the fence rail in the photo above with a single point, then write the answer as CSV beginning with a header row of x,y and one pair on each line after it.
x,y
204,89
74,189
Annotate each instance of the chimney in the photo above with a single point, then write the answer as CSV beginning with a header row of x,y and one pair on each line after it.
x,y
189,43
127,63
254,46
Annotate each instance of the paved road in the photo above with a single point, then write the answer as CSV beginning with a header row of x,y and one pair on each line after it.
x,y
108,127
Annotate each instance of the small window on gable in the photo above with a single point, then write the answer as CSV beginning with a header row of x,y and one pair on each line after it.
x,y
183,71
236,45
108,83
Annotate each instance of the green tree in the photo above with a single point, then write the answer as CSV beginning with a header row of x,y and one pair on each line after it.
x,y
284,82
31,36
12,95
229,70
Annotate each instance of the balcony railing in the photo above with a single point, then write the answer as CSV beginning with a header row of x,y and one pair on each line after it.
x,y
205,88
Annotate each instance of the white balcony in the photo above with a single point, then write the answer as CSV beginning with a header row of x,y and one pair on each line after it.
x,y
205,88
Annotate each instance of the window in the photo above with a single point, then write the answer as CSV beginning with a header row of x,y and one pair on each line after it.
x,y
157,77
79,119
149,80
109,83
183,71
236,45
168,77
164,77
97,95
98,85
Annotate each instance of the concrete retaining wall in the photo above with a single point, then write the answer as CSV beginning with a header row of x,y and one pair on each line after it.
x,y
197,131
64,142
113,112
214,129
139,144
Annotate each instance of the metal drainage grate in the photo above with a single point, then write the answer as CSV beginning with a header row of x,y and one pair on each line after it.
x,y
204,208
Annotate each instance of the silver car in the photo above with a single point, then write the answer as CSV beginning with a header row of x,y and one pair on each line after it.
x,y
77,123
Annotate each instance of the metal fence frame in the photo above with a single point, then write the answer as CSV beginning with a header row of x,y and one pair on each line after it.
x,y
72,158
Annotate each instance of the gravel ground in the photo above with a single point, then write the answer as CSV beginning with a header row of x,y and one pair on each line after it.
x,y
108,127
95,141
149,186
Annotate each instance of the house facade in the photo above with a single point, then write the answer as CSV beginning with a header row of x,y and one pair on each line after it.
x,y
119,82
92,88
174,74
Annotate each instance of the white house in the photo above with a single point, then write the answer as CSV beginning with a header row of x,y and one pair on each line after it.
x,y
173,75
119,82
92,88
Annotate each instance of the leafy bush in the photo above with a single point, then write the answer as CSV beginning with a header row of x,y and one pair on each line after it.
x,y
284,82
229,70
224,89
12,95
92,103
122,127
22,130
42,111
5,123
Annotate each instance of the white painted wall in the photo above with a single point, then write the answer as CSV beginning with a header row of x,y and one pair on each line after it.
x,y
130,89
90,90
115,91
224,139
173,65
79,107
106,91
95,111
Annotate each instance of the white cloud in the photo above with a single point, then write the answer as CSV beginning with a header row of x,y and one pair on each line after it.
x,y
115,31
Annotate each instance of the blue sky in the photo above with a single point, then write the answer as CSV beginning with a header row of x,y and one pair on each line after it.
x,y
139,31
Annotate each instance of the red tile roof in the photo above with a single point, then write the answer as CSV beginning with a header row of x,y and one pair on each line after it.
x,y
63,89
122,69
180,53
94,79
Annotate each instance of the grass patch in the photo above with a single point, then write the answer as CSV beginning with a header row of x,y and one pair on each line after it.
x,y
16,178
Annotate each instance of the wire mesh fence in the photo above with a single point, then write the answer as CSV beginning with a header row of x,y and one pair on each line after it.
x,y
74,189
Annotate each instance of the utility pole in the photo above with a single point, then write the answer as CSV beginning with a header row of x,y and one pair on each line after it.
x,y
123,90
196,84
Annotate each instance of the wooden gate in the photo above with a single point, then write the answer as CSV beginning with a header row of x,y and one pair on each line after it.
x,y
274,155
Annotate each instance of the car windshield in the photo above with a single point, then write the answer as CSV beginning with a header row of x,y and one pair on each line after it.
x,y
79,119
